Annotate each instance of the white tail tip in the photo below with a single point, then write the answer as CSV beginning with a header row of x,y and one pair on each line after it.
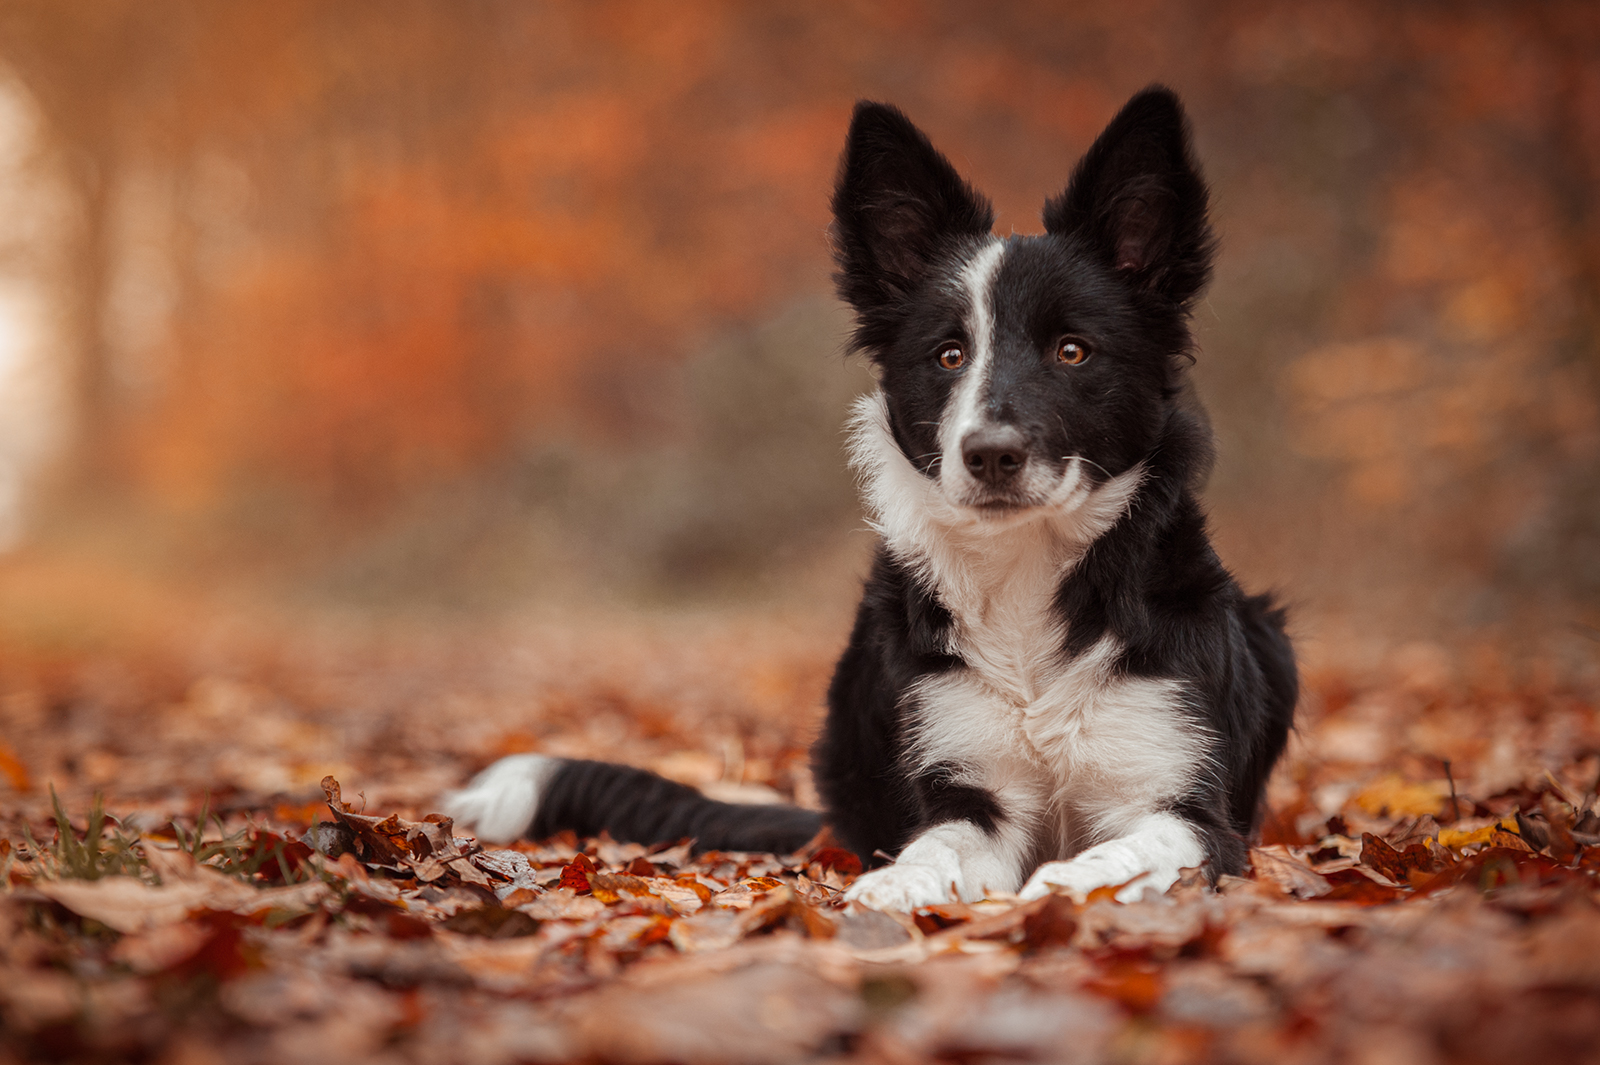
x,y
500,802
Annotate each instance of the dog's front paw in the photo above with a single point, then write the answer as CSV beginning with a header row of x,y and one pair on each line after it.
x,y
1084,874
904,886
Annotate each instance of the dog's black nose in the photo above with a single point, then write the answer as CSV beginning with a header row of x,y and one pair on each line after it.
x,y
995,454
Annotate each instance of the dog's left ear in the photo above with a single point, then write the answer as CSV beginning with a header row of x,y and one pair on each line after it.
x,y
1138,201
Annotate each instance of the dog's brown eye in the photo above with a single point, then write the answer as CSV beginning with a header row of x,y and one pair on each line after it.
x,y
951,358
1071,352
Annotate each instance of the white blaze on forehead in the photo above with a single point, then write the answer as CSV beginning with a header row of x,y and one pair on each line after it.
x,y
962,412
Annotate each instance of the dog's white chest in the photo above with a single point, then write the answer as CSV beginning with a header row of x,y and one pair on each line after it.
x,y
1051,710
1012,639
1088,736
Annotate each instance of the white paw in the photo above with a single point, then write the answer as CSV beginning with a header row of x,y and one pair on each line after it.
x,y
500,801
1087,872
903,886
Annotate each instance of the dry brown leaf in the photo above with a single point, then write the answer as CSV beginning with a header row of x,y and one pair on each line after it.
x,y
684,899
129,905
1276,866
159,947
562,904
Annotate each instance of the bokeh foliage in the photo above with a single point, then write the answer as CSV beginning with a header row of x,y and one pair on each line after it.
x,y
501,295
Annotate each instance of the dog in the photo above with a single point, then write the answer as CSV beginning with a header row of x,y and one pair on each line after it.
x,y
1052,684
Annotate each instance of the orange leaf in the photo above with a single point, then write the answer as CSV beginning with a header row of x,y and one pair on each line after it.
x,y
845,862
1131,981
13,768
576,876
1400,798
1509,840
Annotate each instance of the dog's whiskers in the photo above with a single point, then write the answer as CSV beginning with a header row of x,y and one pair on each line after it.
x,y
1089,462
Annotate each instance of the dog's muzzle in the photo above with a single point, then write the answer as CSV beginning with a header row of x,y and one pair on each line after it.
x,y
995,456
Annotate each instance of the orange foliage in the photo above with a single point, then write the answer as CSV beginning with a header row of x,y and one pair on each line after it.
x,y
461,234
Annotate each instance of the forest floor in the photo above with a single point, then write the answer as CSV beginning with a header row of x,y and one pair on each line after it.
x,y
1425,888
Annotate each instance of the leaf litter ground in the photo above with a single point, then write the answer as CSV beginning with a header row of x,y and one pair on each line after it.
x,y
268,881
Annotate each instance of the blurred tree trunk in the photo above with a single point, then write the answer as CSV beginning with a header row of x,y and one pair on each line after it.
x,y
78,62
1574,169
90,461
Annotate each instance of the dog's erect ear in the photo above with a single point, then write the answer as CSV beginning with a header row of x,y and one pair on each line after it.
x,y
897,201
1138,200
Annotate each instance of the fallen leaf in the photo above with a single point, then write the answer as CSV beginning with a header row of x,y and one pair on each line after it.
x,y
1354,885
870,931
469,873
330,789
834,859
1275,865
1042,922
1132,980
1558,817
495,922
563,904
575,875
1377,854
764,1013
159,947
1508,840
13,769
223,952
706,931
513,867
683,898
129,905
1393,796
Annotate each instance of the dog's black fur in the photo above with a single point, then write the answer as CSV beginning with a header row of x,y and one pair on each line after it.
x,y
1127,248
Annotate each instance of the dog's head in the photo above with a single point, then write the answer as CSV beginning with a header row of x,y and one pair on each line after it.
x,y
1020,374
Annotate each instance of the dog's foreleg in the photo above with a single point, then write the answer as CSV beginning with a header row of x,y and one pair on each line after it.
x,y
1147,858
957,860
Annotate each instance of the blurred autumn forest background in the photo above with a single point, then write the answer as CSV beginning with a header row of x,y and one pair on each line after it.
x,y
463,307
386,387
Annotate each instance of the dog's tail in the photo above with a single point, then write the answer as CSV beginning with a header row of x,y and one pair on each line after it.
x,y
537,796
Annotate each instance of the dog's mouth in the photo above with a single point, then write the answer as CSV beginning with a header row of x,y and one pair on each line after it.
x,y
1001,505
995,501
1019,501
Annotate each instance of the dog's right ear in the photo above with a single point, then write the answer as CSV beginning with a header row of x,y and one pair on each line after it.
x,y
896,203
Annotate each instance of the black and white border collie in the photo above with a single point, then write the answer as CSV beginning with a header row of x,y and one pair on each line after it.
x,y
1052,683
